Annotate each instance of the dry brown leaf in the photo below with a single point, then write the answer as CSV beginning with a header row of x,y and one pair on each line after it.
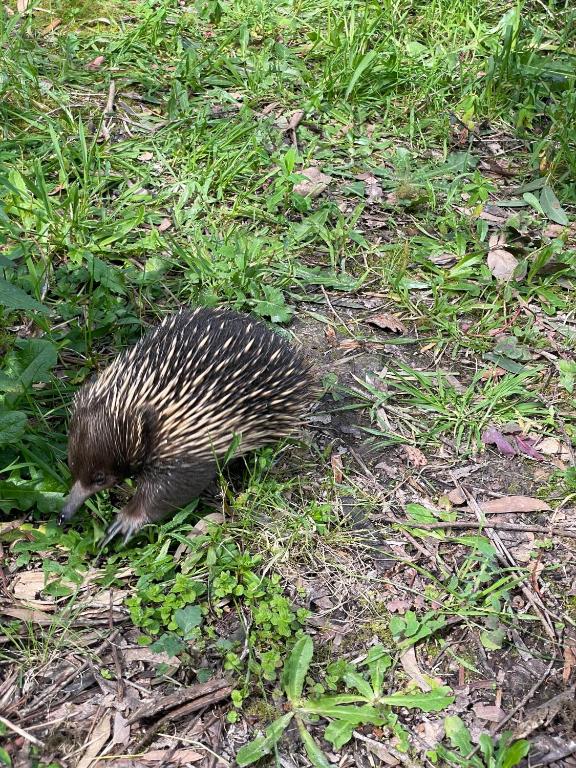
x,y
164,225
106,598
523,551
11,525
314,183
95,63
387,322
549,446
414,456
203,525
349,345
57,189
145,156
494,372
410,665
569,662
51,27
502,264
26,587
493,218
399,606
29,615
431,732
443,259
488,712
330,334
513,504
96,740
456,496
336,462
343,131
295,119
554,230
270,107
541,474
373,188
496,240
121,733
379,750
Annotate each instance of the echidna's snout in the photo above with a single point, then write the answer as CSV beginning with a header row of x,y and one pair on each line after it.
x,y
77,496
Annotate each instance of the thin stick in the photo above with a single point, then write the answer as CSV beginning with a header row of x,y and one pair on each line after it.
x,y
336,315
487,524
198,744
21,732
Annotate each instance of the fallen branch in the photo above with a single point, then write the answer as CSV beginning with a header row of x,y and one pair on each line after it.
x,y
187,700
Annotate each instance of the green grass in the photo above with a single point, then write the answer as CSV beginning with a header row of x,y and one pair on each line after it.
x,y
185,193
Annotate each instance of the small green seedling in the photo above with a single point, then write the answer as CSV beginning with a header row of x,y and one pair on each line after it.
x,y
345,712
503,753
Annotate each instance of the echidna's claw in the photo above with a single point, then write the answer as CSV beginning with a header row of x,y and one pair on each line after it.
x,y
112,531
126,525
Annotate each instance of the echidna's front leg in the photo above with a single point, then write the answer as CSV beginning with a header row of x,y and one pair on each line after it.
x,y
158,495
127,523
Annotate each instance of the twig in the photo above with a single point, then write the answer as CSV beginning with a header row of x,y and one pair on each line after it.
x,y
21,732
499,725
109,108
483,524
336,315
199,705
198,744
64,680
400,756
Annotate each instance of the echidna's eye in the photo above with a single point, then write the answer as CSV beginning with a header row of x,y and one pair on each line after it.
x,y
99,479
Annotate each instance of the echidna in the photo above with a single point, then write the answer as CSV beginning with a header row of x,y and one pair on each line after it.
x,y
168,409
